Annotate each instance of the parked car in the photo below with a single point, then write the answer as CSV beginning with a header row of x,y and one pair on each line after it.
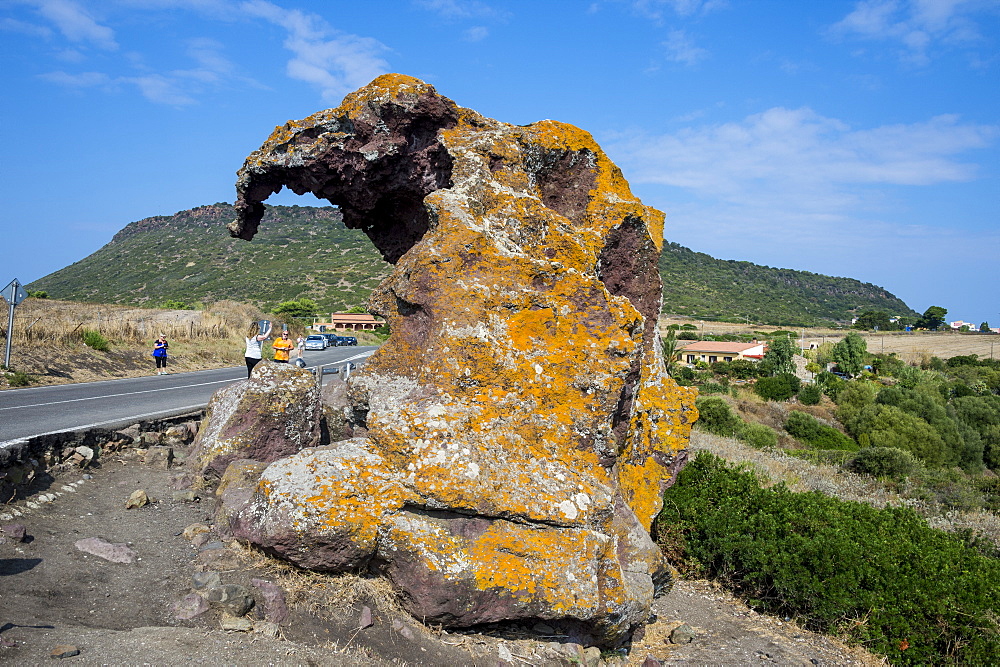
x,y
333,340
316,342
348,340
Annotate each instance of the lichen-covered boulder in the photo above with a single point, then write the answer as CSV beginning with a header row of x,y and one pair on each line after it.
x,y
518,428
273,414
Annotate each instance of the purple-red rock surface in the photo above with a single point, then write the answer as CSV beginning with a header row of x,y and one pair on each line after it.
x,y
513,437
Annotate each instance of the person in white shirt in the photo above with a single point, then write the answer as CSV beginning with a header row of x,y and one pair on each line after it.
x,y
254,338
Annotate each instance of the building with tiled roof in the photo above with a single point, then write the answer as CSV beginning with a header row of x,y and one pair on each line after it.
x,y
711,351
348,321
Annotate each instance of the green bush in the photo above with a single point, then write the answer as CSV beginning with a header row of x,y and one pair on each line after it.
x,y
713,388
816,434
18,378
778,388
757,436
810,394
715,416
95,340
886,462
878,577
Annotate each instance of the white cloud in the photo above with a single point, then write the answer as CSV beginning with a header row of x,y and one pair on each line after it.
x,y
654,9
916,25
161,89
333,61
681,48
795,157
476,34
25,28
177,87
76,23
794,189
460,9
79,80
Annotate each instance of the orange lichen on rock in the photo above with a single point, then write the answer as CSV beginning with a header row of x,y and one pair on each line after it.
x,y
517,429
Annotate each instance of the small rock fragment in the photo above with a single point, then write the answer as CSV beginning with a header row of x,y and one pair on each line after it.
x,y
195,529
543,629
366,618
86,455
682,634
64,651
402,628
116,553
275,609
137,499
650,661
189,606
235,623
159,456
267,628
185,496
231,598
14,532
207,579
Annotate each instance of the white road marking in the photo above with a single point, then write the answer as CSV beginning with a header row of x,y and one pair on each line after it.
x,y
129,393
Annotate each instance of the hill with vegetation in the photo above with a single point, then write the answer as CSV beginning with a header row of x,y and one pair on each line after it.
x,y
306,252
700,286
186,258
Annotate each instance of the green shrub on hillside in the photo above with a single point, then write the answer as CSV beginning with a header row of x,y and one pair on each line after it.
x,y
810,394
757,436
878,577
816,434
94,340
715,416
888,462
778,388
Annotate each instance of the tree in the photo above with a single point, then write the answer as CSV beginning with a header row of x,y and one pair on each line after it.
x,y
874,319
778,358
304,307
850,353
984,327
669,351
38,294
932,318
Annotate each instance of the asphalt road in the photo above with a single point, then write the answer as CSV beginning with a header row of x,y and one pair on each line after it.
x,y
68,407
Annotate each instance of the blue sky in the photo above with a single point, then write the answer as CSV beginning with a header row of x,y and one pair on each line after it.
x,y
851,138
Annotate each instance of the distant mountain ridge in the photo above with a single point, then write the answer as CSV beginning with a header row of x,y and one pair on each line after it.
x,y
305,251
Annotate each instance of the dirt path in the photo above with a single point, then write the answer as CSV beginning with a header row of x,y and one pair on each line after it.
x,y
53,594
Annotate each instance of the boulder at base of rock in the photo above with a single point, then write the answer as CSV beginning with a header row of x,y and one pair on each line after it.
x,y
513,437
273,414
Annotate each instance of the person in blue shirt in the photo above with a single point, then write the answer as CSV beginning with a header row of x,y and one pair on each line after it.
x,y
160,354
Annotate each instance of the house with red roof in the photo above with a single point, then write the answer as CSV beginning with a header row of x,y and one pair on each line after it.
x,y
711,351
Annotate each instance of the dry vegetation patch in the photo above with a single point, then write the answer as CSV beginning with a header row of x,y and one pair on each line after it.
x,y
50,346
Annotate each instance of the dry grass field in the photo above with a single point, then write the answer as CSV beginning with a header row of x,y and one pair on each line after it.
x,y
48,339
911,347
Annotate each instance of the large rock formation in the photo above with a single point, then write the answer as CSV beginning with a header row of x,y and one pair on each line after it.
x,y
273,414
517,429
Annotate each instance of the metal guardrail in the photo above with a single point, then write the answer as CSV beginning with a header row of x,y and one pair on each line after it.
x,y
340,368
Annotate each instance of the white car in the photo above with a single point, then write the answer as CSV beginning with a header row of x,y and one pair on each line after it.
x,y
316,342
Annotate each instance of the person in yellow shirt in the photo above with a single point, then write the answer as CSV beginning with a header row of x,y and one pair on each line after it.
x,y
282,347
